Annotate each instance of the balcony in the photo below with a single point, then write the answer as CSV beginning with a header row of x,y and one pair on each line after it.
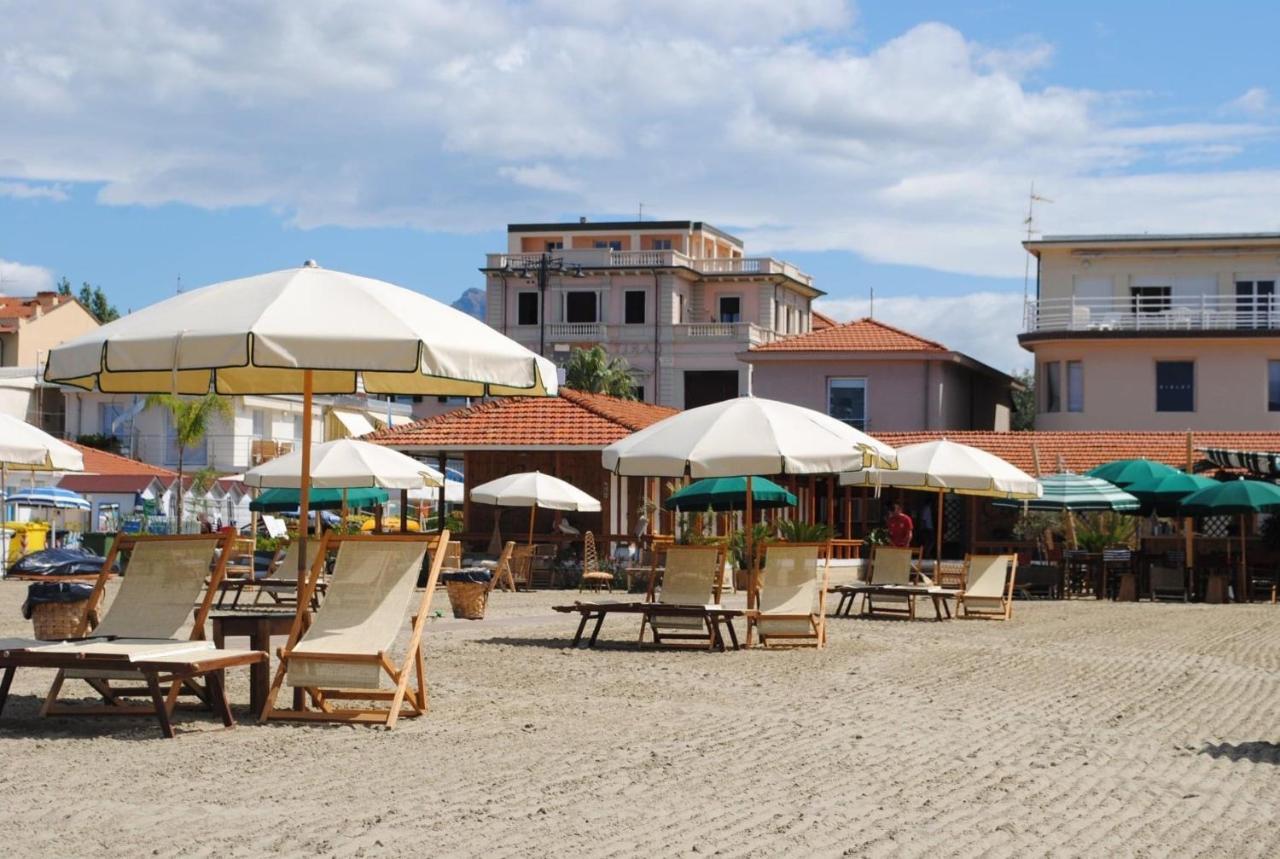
x,y
1152,314
577,332
597,258
746,333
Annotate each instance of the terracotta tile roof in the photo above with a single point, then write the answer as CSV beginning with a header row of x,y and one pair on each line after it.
x,y
822,321
112,483
573,419
101,462
860,335
13,307
1081,451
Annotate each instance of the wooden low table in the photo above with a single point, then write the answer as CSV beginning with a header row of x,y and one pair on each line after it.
x,y
937,595
714,616
258,626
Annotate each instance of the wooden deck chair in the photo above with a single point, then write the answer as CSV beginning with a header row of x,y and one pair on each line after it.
x,y
591,572
281,582
521,562
502,575
691,579
793,595
892,565
989,582
163,581
344,654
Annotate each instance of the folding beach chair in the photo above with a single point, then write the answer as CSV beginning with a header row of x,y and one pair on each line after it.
x,y
502,574
281,581
891,565
140,639
591,572
793,595
989,582
691,580
344,653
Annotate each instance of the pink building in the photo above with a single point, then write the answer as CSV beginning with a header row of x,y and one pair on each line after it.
x,y
677,299
881,379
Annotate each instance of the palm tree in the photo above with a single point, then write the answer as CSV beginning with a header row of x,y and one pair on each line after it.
x,y
191,419
593,371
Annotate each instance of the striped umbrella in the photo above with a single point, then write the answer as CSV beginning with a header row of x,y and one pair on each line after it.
x,y
1076,492
49,496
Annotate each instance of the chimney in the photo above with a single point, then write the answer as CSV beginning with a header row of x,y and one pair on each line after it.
x,y
582,219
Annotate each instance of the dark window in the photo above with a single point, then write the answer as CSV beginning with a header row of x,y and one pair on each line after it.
x,y
634,314
703,387
1273,386
847,401
1254,303
1175,386
1075,386
613,246
662,244
527,308
554,246
1052,387
730,308
580,307
637,391
1151,299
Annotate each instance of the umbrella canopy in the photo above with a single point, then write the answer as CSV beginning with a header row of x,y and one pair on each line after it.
x,y
282,500
1232,496
1167,491
1078,492
534,489
950,467
50,496
746,436
28,448
1123,472
346,463
723,494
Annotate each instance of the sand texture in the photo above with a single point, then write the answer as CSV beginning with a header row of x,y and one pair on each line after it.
x,y
1079,728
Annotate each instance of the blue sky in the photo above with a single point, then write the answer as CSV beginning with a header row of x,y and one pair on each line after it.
x,y
885,146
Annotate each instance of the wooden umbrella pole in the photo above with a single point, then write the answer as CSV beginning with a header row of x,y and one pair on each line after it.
x,y
344,510
1244,566
937,528
749,547
533,508
404,511
304,484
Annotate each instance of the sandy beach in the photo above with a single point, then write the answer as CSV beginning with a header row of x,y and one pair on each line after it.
x,y
1079,728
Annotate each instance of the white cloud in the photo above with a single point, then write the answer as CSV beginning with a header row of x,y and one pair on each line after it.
x,y
1255,101
771,119
983,325
21,279
27,191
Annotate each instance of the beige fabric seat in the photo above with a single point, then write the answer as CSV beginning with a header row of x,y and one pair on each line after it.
x,y
345,653
989,581
282,583
691,579
793,594
892,565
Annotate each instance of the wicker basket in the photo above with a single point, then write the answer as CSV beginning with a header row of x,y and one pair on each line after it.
x,y
468,599
57,620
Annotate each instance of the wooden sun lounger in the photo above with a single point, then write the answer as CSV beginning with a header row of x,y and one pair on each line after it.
x,y
691,580
344,653
715,616
891,565
989,586
793,595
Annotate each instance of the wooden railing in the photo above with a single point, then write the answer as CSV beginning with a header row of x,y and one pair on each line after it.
x,y
846,550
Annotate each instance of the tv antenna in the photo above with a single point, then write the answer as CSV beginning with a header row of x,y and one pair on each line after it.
x,y
1030,223
179,288
640,214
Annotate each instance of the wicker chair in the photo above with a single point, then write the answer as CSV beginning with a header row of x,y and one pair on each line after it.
x,y
591,572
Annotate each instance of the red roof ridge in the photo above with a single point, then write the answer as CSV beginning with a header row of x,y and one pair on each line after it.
x,y
606,406
120,464
864,334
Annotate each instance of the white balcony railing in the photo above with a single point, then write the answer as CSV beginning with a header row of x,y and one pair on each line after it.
x,y
1153,313
747,333
589,258
577,331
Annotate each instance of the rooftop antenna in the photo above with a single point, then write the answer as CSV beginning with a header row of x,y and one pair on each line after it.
x,y
640,215
1030,223
871,308
179,284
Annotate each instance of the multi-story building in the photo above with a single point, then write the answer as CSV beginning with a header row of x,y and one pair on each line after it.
x,y
1156,332
677,299
29,327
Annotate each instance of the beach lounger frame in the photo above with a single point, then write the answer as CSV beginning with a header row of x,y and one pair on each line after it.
x,y
989,586
899,605
686,626
401,699
760,620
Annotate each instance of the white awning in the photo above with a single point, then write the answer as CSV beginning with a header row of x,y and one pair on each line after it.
x,y
355,423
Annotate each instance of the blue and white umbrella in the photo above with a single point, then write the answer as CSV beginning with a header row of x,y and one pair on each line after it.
x,y
48,496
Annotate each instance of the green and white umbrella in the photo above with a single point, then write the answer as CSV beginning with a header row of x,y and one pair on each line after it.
x,y
1233,496
1078,492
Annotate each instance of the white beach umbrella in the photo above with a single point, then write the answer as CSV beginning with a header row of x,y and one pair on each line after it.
x,y
744,437
29,448
944,466
345,464
533,489
300,331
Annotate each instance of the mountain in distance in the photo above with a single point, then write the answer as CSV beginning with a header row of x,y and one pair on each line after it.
x,y
471,302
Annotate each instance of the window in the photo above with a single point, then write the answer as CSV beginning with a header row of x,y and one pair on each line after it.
x,y
1254,303
662,244
527,308
554,246
1273,386
297,427
633,312
197,455
847,401
1075,386
580,306
614,245
1175,386
1052,387
1151,299
260,424
730,308
637,391
108,416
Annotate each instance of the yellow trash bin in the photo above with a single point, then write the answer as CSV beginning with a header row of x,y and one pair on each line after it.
x,y
25,538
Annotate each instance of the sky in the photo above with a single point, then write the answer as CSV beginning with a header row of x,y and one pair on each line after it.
x,y
148,146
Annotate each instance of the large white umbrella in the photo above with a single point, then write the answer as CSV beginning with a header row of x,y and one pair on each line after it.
x,y
533,489
300,331
744,437
345,464
29,448
944,466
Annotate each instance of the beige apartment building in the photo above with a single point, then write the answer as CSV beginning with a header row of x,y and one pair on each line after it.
x,y
1156,332
677,299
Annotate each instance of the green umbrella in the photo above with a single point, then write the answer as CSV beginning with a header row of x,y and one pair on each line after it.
x,y
1070,492
285,500
1164,493
723,494
1125,472
1233,496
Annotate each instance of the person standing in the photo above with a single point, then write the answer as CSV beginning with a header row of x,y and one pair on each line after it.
x,y
900,526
